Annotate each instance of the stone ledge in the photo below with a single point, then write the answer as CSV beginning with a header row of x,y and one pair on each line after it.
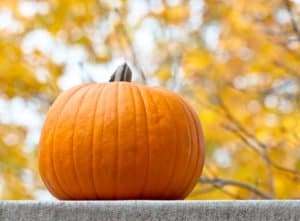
x,y
149,210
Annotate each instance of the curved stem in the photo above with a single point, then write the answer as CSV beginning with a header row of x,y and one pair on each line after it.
x,y
123,73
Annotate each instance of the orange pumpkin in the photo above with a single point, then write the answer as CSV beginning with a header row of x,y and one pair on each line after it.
x,y
120,140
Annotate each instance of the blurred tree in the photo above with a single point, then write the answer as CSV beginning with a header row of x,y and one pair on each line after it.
x,y
236,61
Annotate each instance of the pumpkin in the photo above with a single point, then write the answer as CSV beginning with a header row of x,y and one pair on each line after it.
x,y
120,140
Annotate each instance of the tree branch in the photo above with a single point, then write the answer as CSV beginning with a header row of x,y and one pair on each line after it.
x,y
236,122
248,137
293,19
225,182
261,152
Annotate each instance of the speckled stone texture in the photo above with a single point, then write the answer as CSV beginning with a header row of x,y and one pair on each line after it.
x,y
149,210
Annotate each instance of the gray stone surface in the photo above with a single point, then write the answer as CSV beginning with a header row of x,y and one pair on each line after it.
x,y
149,210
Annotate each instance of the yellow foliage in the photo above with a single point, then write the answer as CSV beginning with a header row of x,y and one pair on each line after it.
x,y
196,62
174,15
242,78
164,73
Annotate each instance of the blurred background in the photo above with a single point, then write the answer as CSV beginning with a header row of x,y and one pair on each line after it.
x,y
236,61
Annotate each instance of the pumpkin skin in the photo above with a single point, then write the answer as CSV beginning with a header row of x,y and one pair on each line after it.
x,y
120,140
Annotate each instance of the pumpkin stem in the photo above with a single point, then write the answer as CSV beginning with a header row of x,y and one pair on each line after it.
x,y
123,73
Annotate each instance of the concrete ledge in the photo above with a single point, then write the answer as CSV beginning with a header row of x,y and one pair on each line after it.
x,y
149,210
